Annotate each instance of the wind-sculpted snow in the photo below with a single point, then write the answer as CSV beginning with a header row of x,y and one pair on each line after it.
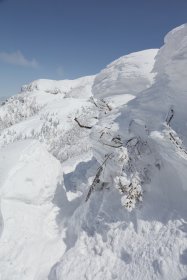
x,y
167,97
142,166
30,242
120,141
127,75
172,59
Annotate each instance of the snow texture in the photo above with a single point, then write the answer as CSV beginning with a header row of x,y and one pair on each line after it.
x,y
93,172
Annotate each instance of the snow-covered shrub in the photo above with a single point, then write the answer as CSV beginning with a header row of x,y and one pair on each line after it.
x,y
65,143
11,136
102,105
63,140
132,163
131,191
16,109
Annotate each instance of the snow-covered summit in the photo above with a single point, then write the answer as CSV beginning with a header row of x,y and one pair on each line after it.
x,y
79,88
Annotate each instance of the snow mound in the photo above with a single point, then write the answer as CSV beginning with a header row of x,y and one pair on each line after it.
x,y
129,74
29,179
29,236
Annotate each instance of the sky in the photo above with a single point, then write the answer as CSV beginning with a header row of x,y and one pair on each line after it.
x,y
66,39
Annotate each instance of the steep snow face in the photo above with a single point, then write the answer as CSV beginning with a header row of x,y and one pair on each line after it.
x,y
171,66
172,59
129,74
167,97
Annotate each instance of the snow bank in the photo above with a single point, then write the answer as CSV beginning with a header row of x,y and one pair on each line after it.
x,y
30,242
29,178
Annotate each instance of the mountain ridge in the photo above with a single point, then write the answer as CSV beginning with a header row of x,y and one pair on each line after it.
x,y
93,177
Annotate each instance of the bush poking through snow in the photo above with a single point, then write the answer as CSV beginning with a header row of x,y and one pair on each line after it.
x,y
132,192
97,179
63,143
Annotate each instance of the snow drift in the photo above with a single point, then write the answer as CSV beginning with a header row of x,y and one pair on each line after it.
x,y
29,235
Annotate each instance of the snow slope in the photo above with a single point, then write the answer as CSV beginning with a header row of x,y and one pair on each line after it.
x,y
144,167
116,140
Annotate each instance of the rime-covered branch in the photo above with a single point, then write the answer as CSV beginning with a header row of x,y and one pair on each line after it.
x,y
97,178
81,125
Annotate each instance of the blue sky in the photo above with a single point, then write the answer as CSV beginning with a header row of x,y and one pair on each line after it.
x,y
59,39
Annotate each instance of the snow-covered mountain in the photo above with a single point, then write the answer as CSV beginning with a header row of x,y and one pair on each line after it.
x,y
93,172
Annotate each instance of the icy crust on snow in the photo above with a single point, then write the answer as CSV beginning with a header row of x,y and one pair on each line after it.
x,y
129,74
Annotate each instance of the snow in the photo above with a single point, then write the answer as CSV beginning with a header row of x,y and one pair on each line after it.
x,y
127,159
79,88
32,159
129,74
29,236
